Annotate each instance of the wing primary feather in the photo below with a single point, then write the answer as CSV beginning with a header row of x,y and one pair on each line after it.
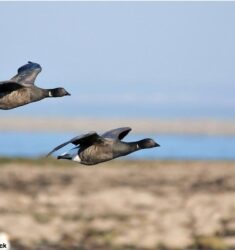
x,y
86,139
58,147
118,133
75,141
27,74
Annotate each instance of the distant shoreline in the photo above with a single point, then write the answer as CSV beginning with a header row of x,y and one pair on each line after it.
x,y
139,126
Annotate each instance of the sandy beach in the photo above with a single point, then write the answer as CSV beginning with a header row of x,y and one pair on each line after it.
x,y
154,126
49,204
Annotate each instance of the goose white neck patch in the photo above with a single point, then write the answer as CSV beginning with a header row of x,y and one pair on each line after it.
x,y
50,94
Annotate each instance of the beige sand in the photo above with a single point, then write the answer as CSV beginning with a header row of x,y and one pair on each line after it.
x,y
118,205
179,126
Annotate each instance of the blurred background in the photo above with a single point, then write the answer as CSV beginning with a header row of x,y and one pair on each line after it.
x,y
166,69
161,63
141,60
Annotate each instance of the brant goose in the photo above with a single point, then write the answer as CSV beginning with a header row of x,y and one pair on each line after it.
x,y
20,90
92,148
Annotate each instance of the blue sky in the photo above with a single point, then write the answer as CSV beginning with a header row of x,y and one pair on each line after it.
x,y
124,59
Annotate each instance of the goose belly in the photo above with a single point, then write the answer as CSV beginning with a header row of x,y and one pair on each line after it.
x,y
95,154
15,99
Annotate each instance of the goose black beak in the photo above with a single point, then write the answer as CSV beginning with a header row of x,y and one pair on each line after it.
x,y
156,145
68,93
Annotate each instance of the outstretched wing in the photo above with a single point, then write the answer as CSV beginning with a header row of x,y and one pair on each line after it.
x,y
86,140
27,74
8,86
118,133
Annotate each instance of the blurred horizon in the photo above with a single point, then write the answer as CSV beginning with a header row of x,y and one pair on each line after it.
x,y
160,60
164,69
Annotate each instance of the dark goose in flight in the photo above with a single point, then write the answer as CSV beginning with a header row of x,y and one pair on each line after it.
x,y
20,90
91,148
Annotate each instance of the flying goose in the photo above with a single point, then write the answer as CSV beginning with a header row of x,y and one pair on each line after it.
x,y
20,89
91,148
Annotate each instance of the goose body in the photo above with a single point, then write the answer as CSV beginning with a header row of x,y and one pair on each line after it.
x,y
91,148
20,90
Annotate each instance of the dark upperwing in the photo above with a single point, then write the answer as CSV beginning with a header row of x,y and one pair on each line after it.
x,y
118,133
27,74
8,86
86,140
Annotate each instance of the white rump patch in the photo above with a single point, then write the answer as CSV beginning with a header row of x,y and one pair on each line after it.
x,y
77,158
74,155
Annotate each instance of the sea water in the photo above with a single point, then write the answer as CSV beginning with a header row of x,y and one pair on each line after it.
x,y
34,144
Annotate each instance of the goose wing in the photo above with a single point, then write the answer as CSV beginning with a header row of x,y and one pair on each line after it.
x,y
118,133
27,74
86,140
7,86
